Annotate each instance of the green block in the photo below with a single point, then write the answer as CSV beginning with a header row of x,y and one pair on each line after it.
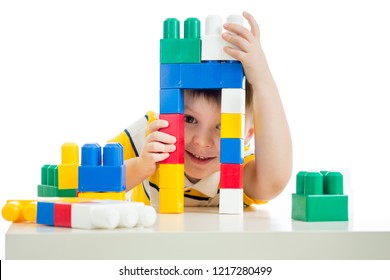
x,y
41,190
319,208
180,50
67,193
173,49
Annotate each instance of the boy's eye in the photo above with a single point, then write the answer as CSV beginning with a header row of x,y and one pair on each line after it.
x,y
219,127
189,119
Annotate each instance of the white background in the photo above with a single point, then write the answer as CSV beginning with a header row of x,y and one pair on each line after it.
x,y
82,71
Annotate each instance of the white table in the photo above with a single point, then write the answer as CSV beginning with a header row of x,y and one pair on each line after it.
x,y
202,233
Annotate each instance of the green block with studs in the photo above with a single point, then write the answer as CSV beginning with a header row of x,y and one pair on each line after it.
x,y
173,49
319,197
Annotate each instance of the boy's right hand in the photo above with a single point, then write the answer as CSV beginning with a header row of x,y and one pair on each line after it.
x,y
157,146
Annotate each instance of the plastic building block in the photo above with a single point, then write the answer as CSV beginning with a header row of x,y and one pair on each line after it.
x,y
175,128
232,150
97,177
231,201
319,197
232,176
63,214
171,176
176,124
233,101
171,101
216,75
171,200
19,211
176,50
232,125
212,42
68,169
45,213
103,195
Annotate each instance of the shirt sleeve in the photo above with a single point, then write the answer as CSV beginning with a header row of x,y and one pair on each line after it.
x,y
133,137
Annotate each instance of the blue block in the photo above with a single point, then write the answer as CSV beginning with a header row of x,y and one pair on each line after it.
x,y
91,154
109,177
171,101
209,75
232,150
45,213
102,178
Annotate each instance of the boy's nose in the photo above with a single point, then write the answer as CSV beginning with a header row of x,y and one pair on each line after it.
x,y
203,139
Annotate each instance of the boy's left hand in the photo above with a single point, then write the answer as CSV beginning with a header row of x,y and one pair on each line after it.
x,y
250,53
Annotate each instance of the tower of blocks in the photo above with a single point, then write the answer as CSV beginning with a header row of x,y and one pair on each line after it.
x,y
102,175
61,180
319,197
193,62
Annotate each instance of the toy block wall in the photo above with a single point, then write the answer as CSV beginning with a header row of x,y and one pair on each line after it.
x,y
206,67
94,214
102,175
319,197
49,183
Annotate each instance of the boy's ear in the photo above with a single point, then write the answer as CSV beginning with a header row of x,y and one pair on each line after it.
x,y
249,135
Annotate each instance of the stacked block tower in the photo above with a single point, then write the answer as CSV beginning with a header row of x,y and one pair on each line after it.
x,y
193,62
61,180
319,197
102,178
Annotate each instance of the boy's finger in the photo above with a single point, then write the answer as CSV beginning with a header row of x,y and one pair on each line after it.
x,y
236,41
158,136
156,147
157,124
255,29
238,29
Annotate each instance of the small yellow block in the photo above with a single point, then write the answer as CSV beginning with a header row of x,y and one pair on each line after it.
x,y
14,211
103,195
70,153
171,201
232,125
68,170
68,175
171,176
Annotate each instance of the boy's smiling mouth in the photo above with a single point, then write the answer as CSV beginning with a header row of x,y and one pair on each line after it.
x,y
198,158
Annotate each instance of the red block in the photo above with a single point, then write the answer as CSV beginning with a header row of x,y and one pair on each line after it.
x,y
176,124
178,155
232,176
63,214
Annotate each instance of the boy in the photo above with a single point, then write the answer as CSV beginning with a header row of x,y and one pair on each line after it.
x,y
265,176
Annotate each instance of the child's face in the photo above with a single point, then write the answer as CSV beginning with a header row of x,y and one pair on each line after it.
x,y
202,120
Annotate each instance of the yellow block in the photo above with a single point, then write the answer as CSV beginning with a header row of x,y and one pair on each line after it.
x,y
232,125
13,211
171,176
171,201
68,176
70,153
103,195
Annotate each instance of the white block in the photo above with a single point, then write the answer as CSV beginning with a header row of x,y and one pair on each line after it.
x,y
233,101
128,211
231,201
212,42
147,216
92,215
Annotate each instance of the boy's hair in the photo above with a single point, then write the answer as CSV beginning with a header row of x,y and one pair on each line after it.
x,y
214,95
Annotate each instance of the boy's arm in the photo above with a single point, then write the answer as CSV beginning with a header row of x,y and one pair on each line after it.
x,y
267,175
